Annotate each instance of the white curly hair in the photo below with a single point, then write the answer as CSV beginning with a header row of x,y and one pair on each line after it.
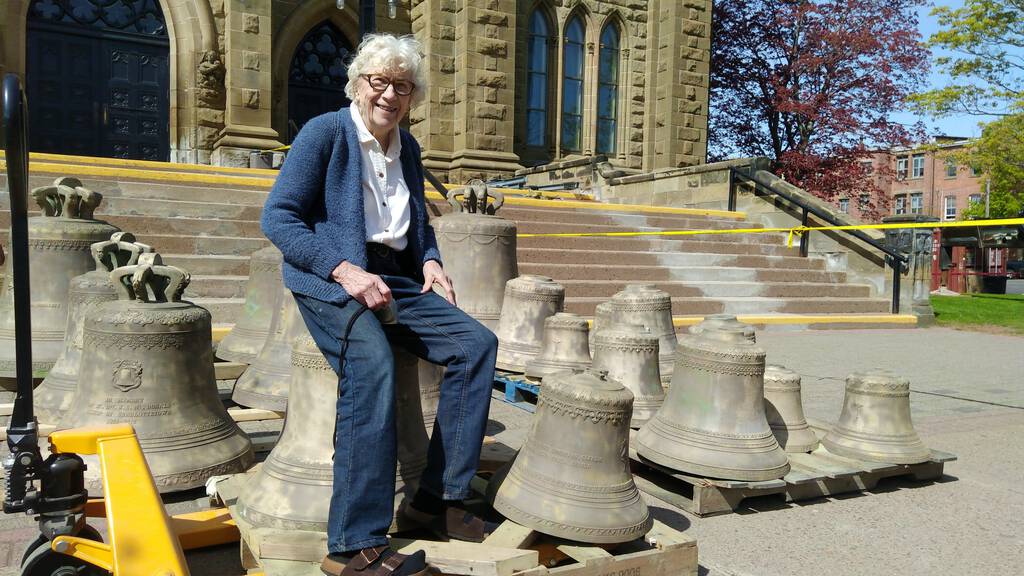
x,y
387,53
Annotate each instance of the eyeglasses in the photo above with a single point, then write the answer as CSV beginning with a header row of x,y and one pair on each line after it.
x,y
380,83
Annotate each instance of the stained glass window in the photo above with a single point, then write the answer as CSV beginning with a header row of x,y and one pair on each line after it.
x,y
607,89
321,59
572,85
537,80
132,16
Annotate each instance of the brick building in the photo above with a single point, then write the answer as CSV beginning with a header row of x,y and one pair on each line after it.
x,y
920,181
512,83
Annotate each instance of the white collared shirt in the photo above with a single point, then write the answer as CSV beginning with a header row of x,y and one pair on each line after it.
x,y
385,193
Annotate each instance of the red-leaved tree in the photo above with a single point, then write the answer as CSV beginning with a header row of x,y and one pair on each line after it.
x,y
812,84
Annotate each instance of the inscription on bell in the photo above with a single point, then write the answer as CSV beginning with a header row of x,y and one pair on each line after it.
x,y
127,375
118,409
566,457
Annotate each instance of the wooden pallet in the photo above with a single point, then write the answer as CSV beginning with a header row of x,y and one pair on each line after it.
x,y
512,550
515,389
815,475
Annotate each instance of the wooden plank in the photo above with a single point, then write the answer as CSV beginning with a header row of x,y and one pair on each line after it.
x,y
663,536
299,545
859,465
466,558
228,370
586,555
680,561
6,408
254,414
942,457
826,468
511,535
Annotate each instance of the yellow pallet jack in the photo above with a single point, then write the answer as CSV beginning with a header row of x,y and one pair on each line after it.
x,y
142,539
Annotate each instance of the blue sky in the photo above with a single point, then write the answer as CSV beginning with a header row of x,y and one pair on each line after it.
x,y
950,126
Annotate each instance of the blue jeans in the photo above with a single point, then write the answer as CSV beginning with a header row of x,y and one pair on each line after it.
x,y
365,452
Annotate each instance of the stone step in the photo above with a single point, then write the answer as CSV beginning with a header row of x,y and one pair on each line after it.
x,y
559,228
216,286
622,273
213,245
607,288
223,310
751,305
227,265
766,244
641,258
626,221
171,225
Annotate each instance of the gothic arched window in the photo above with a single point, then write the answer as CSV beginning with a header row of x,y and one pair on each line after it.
x,y
608,89
537,80
132,16
572,85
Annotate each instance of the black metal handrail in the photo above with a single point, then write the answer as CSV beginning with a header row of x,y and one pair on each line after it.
x,y
894,258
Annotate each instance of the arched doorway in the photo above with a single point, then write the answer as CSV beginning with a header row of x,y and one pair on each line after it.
x,y
98,78
317,76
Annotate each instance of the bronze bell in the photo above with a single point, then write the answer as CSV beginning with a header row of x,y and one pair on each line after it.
x,y
147,360
55,394
292,489
875,424
245,340
479,251
265,383
58,250
713,422
571,478
563,346
646,305
785,410
629,353
529,299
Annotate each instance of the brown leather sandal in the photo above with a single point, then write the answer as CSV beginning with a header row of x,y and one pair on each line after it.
x,y
376,561
455,523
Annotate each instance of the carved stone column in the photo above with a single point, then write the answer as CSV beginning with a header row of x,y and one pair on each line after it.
x,y
916,244
247,49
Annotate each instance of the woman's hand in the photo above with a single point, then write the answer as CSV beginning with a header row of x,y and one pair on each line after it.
x,y
434,274
369,289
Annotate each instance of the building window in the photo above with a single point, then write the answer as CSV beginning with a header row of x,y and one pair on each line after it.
x,y
950,168
864,202
537,81
950,213
901,168
975,171
900,206
974,199
572,86
844,205
916,203
918,166
608,89
867,167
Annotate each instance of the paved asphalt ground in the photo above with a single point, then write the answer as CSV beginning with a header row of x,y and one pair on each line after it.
x,y
968,399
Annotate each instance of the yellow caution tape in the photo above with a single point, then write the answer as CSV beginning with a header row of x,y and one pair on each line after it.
x,y
791,231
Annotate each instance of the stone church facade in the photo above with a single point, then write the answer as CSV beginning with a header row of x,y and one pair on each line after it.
x,y
513,83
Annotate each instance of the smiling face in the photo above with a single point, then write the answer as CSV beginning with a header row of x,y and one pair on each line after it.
x,y
382,110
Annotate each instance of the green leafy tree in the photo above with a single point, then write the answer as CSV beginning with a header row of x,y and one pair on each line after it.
x,y
999,154
985,43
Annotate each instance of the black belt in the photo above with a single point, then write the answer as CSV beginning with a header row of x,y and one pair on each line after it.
x,y
381,250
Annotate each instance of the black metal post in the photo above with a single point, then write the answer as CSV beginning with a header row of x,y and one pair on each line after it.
x,y
367,17
897,269
803,236
732,191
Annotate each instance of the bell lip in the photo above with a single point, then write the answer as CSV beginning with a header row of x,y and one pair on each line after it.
x,y
715,472
540,524
915,456
251,399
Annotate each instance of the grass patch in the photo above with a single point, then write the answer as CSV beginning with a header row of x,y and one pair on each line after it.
x,y
1002,312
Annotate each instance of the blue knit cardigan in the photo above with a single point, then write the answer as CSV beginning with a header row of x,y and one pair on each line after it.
x,y
314,213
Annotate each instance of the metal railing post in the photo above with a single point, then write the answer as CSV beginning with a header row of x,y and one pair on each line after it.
x,y
897,268
803,237
732,191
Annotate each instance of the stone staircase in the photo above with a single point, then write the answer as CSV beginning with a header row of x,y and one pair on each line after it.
x,y
206,220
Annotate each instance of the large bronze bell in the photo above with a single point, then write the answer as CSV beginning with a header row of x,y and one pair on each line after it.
x,y
292,490
563,347
265,383
147,360
713,422
529,299
646,305
58,250
875,423
785,410
479,251
629,353
245,340
571,478
55,394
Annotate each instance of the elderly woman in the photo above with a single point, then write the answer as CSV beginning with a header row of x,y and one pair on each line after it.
x,y
349,215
